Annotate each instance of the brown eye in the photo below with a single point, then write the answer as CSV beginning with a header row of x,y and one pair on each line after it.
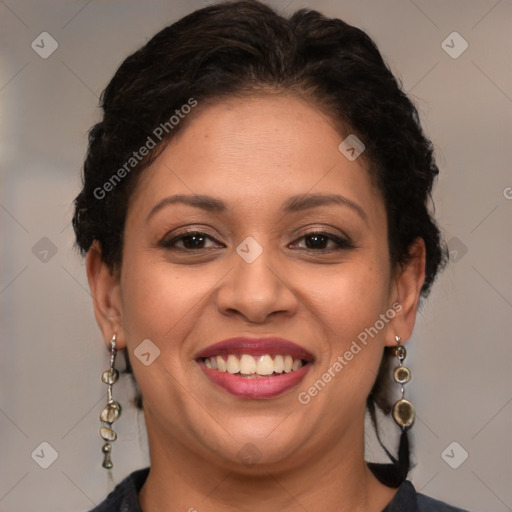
x,y
319,241
190,241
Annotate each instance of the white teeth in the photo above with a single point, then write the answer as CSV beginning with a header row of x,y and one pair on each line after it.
x,y
232,364
265,365
288,363
279,364
248,365
221,364
297,363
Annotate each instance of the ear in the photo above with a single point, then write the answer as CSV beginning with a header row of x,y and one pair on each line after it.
x,y
405,291
106,296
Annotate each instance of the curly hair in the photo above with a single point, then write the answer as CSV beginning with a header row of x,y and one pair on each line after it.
x,y
235,49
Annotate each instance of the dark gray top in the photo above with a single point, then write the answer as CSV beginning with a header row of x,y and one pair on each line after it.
x,y
125,497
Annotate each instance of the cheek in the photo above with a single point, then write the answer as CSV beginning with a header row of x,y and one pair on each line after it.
x,y
166,303
355,310
157,297
160,304
353,298
363,294
147,297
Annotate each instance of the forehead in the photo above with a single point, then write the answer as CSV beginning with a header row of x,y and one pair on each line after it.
x,y
257,151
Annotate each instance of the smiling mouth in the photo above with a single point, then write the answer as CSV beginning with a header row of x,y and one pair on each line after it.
x,y
254,367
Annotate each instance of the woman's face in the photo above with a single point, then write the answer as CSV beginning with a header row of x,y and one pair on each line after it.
x,y
265,252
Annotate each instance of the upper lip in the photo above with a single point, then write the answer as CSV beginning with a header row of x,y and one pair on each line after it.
x,y
257,347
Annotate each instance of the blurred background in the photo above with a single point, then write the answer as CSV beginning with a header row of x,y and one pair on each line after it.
x,y
453,58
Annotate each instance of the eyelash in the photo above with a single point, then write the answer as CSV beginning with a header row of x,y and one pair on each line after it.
x,y
343,244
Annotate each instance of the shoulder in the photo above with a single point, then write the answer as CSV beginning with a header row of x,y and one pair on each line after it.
x,y
427,504
125,496
408,500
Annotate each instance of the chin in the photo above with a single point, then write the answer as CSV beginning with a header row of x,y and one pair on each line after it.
x,y
252,450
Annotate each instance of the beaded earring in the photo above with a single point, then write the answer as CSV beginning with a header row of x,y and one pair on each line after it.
x,y
403,414
112,409
403,410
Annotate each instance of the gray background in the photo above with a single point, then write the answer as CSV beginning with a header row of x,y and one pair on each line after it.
x,y
52,353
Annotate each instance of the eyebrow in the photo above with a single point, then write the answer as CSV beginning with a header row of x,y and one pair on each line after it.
x,y
306,201
293,204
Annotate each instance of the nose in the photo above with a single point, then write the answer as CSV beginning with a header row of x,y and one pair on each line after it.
x,y
257,291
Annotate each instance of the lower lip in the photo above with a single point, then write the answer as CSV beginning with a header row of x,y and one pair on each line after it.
x,y
258,387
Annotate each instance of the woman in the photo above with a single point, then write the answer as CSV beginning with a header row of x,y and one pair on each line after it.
x,y
255,218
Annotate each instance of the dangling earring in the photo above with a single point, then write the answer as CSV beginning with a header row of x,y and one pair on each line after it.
x,y
112,409
403,411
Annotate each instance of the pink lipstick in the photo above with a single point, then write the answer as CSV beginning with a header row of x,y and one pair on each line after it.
x,y
255,368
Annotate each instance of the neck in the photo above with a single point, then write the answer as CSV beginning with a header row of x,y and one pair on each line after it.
x,y
336,479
